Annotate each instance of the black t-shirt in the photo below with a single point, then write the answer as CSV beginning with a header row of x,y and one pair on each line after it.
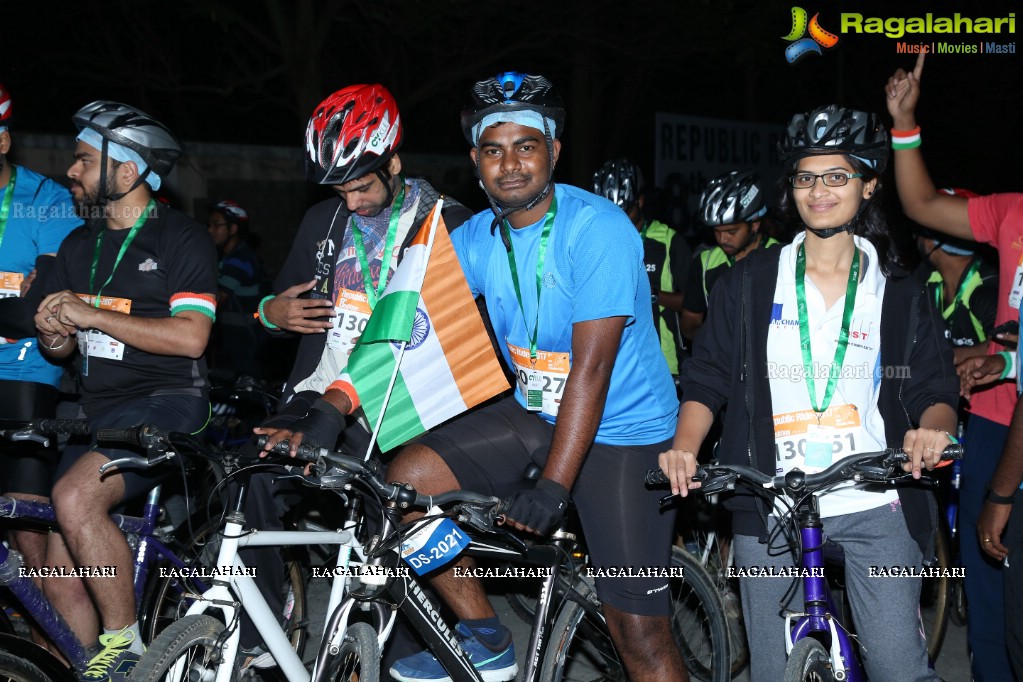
x,y
170,255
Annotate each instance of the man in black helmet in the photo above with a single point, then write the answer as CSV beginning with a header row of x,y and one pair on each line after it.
x,y
562,273
135,292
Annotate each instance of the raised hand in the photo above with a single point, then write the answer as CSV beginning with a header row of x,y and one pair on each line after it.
x,y
903,91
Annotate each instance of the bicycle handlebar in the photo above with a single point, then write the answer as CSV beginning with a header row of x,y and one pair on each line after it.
x,y
37,430
882,466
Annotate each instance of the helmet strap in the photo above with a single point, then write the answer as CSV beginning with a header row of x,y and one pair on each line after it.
x,y
848,227
103,197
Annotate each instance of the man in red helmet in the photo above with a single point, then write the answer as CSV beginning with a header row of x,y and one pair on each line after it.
x,y
339,264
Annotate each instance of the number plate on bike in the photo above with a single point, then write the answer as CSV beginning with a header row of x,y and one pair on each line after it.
x,y
434,545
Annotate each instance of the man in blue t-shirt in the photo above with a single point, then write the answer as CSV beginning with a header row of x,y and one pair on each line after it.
x,y
35,215
562,273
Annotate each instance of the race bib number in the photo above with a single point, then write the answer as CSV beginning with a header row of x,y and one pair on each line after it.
x,y
1016,293
10,284
95,344
542,384
433,546
352,313
801,441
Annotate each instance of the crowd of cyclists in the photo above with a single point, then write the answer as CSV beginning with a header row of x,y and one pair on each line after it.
x,y
670,346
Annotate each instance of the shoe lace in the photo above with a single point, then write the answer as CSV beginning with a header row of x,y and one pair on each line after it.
x,y
113,645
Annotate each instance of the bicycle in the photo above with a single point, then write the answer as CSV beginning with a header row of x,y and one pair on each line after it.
x,y
568,619
819,646
149,541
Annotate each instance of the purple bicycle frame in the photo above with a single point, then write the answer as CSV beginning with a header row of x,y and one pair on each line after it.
x,y
39,607
819,618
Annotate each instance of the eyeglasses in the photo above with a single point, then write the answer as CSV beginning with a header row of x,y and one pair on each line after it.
x,y
210,226
832,179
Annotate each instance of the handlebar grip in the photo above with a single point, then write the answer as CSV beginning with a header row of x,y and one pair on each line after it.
x,y
954,451
306,453
131,436
73,427
656,477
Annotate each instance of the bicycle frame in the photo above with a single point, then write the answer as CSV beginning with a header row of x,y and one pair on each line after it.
x,y
35,602
818,618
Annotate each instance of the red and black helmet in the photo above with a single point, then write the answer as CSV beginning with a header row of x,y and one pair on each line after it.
x,y
353,132
6,110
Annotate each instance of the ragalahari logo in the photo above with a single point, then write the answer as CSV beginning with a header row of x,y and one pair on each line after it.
x,y
801,45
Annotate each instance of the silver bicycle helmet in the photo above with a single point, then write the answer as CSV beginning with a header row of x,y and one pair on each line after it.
x,y
734,197
131,128
619,180
835,129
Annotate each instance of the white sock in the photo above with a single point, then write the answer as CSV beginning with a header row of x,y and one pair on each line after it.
x,y
133,632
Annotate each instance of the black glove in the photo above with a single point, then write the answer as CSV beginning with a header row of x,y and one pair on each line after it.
x,y
541,508
321,426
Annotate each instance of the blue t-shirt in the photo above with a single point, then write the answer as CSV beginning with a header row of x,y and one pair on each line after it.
x,y
41,215
593,269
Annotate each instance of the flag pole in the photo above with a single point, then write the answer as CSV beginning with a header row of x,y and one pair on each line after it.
x,y
401,351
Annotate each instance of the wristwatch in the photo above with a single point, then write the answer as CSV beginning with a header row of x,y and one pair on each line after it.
x,y
992,496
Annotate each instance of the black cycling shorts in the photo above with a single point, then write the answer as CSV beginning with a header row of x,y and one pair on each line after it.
x,y
488,451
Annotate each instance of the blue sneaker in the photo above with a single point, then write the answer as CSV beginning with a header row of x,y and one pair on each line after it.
x,y
492,666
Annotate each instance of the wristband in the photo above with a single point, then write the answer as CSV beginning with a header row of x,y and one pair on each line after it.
x,y
1010,363
905,139
56,347
262,315
995,498
952,439
349,390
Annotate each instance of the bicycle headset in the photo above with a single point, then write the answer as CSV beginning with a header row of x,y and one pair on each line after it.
x,y
619,180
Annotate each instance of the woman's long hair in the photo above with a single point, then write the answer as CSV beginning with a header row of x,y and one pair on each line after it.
x,y
870,222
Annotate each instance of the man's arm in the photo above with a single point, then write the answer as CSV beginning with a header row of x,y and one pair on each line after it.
x,y
1004,484
920,200
184,335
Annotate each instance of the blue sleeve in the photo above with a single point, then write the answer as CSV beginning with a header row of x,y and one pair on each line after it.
x,y
57,220
461,241
607,268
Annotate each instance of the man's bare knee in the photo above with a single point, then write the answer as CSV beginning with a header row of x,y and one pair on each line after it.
x,y
424,469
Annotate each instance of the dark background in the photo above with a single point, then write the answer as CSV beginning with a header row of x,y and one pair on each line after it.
x,y
251,72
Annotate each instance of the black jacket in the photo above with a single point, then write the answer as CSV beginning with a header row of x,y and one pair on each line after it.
x,y
712,377
303,262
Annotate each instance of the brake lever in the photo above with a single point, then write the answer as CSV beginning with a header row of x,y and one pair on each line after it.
x,y
136,462
29,435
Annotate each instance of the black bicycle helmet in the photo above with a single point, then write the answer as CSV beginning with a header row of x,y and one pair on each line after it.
x,y
131,128
513,91
734,197
619,180
835,129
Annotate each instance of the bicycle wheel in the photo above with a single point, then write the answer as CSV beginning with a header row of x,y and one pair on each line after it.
x,y
164,600
698,621
189,649
809,662
935,596
580,646
359,657
14,668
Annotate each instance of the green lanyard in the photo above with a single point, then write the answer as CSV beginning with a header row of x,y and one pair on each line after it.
x,y
804,330
548,223
5,208
120,254
939,291
372,295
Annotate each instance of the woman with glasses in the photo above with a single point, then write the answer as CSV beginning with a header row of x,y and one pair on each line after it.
x,y
823,349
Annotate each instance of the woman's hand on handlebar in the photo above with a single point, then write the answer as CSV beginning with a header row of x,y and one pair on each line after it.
x,y
924,447
680,467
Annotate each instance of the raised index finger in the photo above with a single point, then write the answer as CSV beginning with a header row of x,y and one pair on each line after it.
x,y
918,69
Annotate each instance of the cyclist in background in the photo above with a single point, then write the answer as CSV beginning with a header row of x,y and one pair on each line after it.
x,y
732,205
35,215
665,253
136,292
800,343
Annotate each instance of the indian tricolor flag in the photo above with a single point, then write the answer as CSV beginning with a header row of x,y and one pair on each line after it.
x,y
445,365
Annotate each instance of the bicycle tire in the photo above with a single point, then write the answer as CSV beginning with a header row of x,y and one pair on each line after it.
x,y
935,595
188,649
809,662
163,601
359,657
580,645
14,668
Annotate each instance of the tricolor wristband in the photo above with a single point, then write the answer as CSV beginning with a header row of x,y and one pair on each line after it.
x,y
262,315
905,139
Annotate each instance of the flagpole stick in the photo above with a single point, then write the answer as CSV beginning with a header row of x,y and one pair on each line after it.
x,y
401,351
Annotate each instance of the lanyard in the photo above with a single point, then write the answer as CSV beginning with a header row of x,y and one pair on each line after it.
x,y
963,283
5,208
120,254
548,223
804,330
372,295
